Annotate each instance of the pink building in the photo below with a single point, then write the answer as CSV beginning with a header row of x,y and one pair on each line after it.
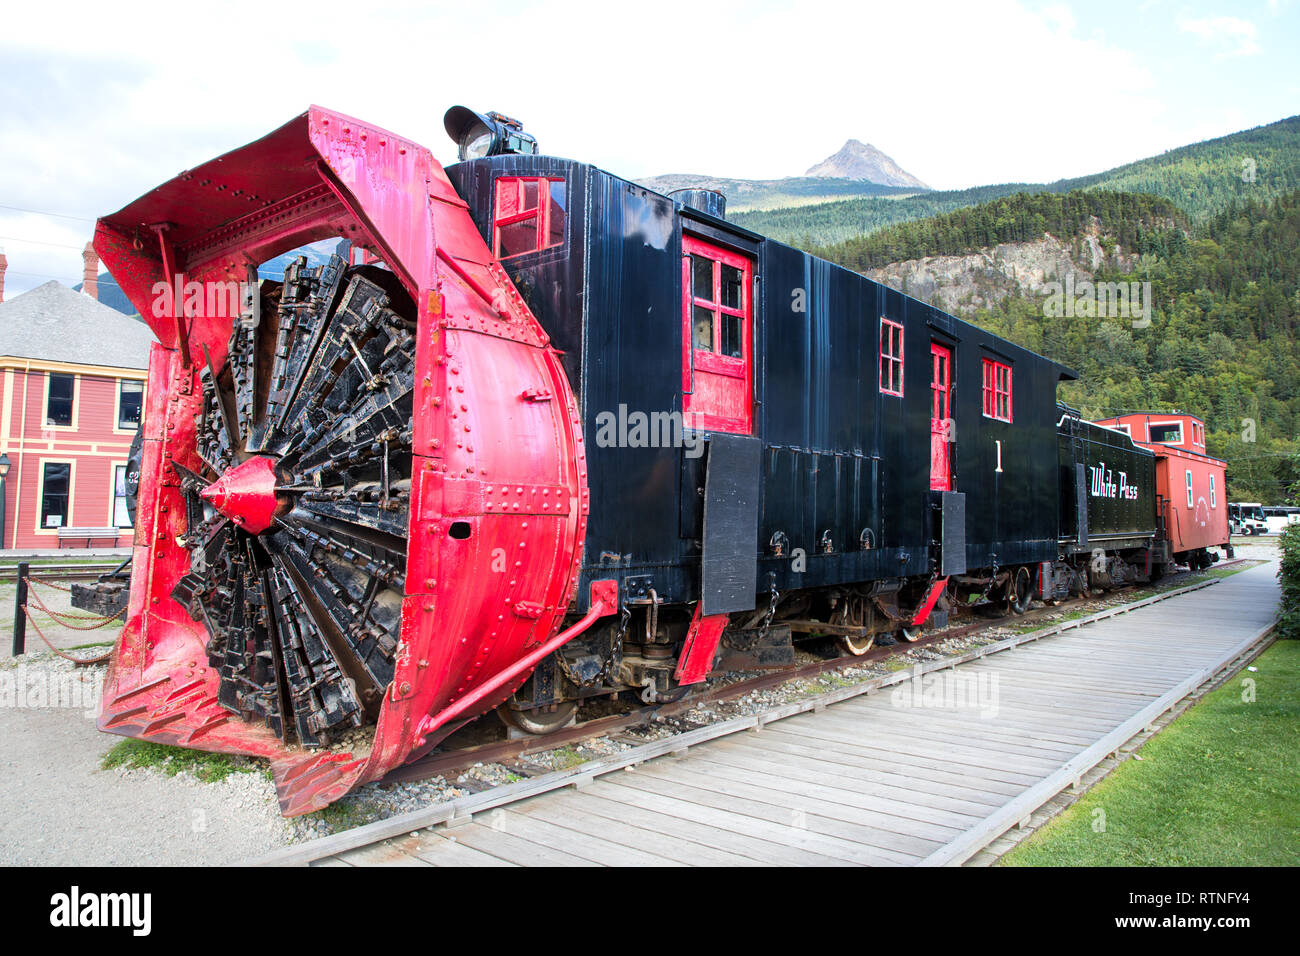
x,y
72,375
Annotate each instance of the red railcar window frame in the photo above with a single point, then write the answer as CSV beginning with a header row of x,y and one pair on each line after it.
x,y
891,357
728,308
717,336
997,391
530,214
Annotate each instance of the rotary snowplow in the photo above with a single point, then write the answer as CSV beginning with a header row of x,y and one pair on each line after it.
x,y
363,491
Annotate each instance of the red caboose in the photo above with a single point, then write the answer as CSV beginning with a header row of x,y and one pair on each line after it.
x,y
1193,511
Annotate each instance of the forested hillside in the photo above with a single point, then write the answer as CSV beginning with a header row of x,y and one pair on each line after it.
x,y
1224,342
1201,179
1137,222
831,222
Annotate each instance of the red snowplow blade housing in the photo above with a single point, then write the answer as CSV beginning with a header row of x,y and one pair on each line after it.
x,y
497,444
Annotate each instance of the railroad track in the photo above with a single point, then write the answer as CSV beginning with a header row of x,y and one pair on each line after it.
x,y
443,763
59,571
459,810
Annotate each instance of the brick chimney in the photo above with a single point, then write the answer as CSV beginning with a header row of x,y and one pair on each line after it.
x,y
90,277
4,264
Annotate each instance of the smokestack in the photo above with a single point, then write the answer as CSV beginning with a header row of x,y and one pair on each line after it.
x,y
4,264
90,277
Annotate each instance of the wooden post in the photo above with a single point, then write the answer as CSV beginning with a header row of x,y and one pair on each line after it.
x,y
20,610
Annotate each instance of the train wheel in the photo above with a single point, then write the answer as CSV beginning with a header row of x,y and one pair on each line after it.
x,y
909,634
538,721
855,611
857,646
1020,592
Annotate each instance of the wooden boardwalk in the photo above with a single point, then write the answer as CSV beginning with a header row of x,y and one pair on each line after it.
x,y
928,771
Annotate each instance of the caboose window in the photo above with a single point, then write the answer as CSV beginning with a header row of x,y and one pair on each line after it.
x,y
891,357
716,370
997,390
1190,503
1167,433
1214,502
529,215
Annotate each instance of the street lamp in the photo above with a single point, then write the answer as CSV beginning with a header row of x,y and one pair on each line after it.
x,y
4,470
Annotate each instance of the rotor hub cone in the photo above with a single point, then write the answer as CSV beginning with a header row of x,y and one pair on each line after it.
x,y
246,494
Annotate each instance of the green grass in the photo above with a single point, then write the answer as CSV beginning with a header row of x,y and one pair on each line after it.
x,y
566,757
1217,787
342,814
208,767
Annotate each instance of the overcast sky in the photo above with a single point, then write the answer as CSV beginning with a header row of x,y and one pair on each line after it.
x,y
101,102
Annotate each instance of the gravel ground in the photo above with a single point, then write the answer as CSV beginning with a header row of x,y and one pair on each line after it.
x,y
63,809
60,808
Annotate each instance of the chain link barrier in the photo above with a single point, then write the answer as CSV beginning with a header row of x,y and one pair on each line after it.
x,y
68,619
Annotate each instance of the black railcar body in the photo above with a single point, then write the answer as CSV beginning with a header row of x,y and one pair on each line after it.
x,y
1115,481
832,497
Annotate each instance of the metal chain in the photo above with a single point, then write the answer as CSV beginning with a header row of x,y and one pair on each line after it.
x,y
67,618
771,612
616,649
49,584
992,578
79,661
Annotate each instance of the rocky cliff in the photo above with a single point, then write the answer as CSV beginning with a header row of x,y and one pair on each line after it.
x,y
962,284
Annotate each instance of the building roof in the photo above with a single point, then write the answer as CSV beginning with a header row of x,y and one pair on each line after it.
x,y
57,324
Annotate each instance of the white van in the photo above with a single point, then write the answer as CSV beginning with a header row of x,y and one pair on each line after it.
x,y
1246,517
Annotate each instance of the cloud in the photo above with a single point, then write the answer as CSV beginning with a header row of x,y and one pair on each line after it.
x,y
960,94
1234,36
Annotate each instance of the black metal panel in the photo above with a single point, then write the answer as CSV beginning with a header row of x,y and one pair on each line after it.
x,y
952,553
730,561
840,462
1111,497
1081,502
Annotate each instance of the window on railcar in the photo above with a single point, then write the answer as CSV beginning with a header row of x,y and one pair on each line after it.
x,y
1214,501
1190,501
997,390
891,357
717,362
1167,433
529,216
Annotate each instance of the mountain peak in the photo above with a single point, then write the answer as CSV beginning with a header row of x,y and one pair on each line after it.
x,y
858,160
